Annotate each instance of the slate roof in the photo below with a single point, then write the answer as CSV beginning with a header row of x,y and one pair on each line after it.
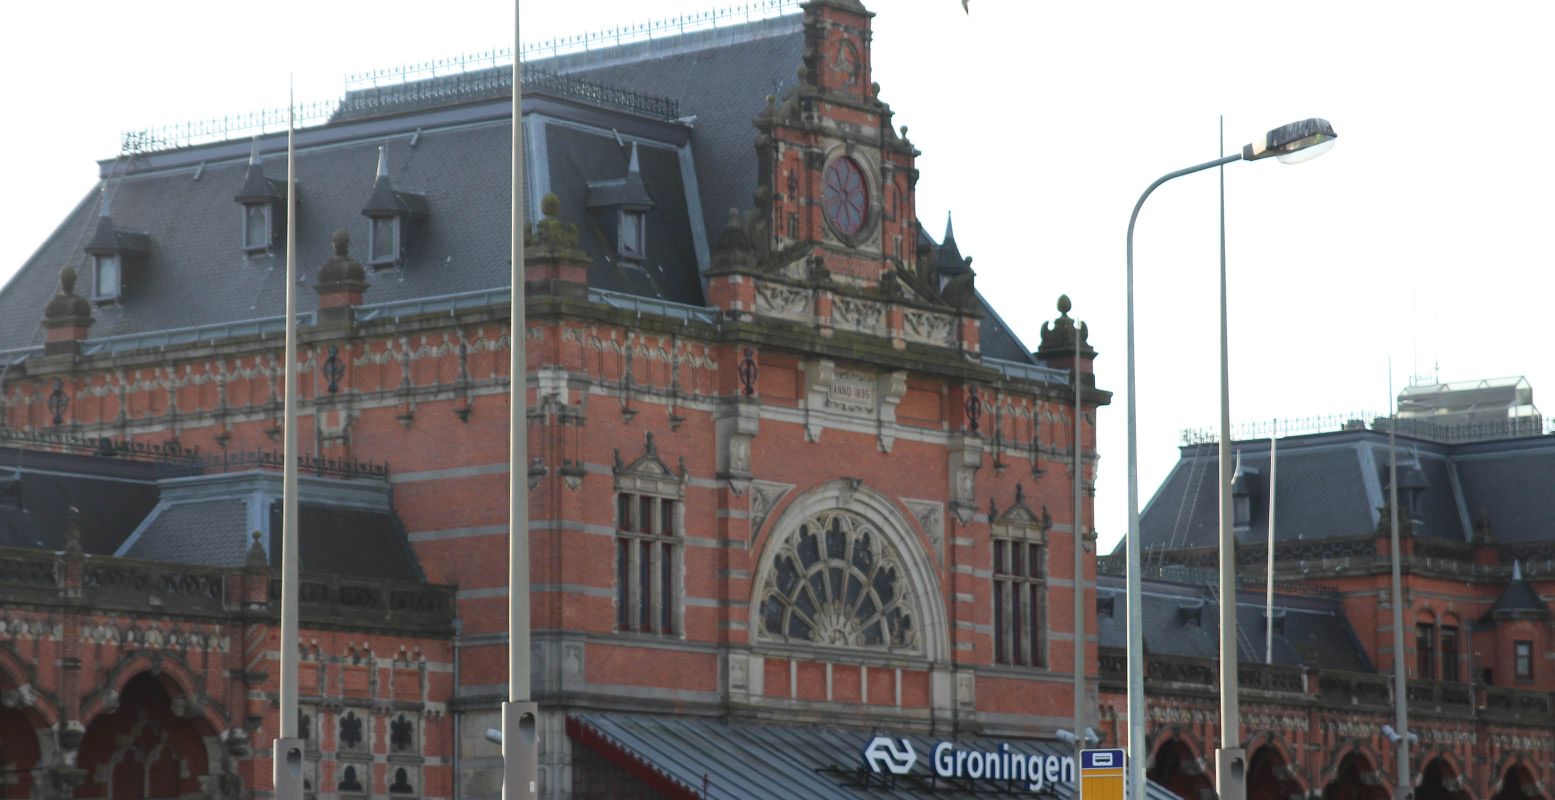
x,y
751,761
209,521
448,140
212,533
1332,485
1182,619
348,541
113,495
1518,598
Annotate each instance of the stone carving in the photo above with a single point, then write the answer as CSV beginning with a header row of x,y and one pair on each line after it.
x,y
966,457
836,581
931,518
928,327
863,316
890,387
778,300
765,496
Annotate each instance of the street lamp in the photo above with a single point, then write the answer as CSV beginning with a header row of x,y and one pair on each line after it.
x,y
520,714
1298,141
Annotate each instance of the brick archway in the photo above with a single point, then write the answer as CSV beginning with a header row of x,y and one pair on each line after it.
x,y
20,754
143,750
1270,774
1518,783
1441,780
1356,779
1177,767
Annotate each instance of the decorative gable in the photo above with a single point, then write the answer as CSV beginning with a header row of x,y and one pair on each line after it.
x,y
648,474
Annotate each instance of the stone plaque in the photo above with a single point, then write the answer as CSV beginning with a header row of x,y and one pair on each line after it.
x,y
853,392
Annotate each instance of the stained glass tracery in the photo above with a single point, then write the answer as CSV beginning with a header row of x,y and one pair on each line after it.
x,y
836,581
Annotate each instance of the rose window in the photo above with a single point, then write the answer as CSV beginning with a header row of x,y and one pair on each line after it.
x,y
836,581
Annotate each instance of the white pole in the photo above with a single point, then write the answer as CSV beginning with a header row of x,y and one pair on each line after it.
x,y
1079,561
1229,772
520,736
1268,608
1400,682
287,754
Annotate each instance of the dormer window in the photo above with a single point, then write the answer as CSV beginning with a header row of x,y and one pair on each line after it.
x,y
261,199
387,212
633,225
107,276
622,204
256,227
113,250
383,241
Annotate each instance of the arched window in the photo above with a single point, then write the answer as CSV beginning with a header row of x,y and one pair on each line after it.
x,y
837,581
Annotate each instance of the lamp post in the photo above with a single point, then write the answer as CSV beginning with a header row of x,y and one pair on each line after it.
x,y
520,715
1296,142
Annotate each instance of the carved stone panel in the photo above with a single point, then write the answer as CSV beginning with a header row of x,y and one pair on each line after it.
x,y
787,302
930,516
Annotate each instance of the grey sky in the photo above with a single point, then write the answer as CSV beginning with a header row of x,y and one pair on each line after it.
x,y
1421,236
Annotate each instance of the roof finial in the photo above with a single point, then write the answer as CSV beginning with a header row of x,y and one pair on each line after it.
x,y
950,235
253,153
103,200
1517,570
383,161
631,167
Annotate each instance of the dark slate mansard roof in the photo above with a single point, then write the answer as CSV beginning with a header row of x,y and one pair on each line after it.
x,y
1182,619
448,140
170,511
1334,485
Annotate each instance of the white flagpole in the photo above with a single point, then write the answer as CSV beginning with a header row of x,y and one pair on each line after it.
x,y
287,755
1402,789
1268,612
520,736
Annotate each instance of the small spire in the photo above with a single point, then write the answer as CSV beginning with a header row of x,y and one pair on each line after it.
x,y
383,161
631,166
103,201
253,153
950,234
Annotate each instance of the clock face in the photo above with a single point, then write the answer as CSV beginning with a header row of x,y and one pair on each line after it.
x,y
845,196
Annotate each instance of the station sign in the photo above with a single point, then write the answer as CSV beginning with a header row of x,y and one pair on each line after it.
x,y
1004,764
1101,774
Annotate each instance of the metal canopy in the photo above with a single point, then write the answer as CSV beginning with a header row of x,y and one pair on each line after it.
x,y
746,761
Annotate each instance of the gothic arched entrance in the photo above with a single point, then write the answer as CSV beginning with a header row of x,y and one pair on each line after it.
x,y
1357,779
1269,775
1439,781
1517,784
19,753
1176,768
142,750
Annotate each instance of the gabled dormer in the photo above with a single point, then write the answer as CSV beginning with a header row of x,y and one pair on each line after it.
x,y
620,207
392,218
264,207
116,253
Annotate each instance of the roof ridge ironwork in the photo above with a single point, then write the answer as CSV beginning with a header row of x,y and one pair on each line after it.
x,y
616,36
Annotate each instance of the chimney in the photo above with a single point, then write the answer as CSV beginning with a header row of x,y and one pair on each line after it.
x,y
66,318
553,264
342,280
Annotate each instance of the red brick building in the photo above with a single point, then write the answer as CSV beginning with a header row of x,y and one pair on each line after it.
x,y
1475,511
792,477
